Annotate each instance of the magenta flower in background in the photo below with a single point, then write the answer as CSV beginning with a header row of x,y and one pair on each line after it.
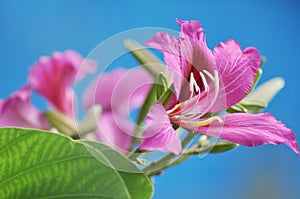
x,y
53,77
118,93
209,81
19,112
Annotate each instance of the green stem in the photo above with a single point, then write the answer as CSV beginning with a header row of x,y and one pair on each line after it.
x,y
134,155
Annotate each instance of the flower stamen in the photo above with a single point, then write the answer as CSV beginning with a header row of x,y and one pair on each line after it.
x,y
209,75
203,122
193,85
206,87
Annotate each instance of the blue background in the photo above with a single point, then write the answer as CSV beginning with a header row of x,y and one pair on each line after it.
x,y
30,29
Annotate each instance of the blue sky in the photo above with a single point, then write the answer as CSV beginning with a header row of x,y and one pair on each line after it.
x,y
31,28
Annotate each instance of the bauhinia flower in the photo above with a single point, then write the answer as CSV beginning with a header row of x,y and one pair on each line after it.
x,y
53,77
17,111
118,93
206,82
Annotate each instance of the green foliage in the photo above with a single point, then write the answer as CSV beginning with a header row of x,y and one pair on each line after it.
x,y
40,164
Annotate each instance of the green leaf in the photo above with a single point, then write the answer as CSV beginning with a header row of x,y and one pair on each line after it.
x,y
40,164
149,61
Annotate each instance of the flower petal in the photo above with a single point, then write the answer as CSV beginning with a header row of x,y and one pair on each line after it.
x,y
237,70
18,111
185,55
1,104
101,89
170,46
160,134
117,135
53,77
131,90
193,30
120,90
251,130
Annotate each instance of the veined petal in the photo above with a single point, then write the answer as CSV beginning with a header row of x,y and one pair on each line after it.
x,y
237,70
18,111
193,30
178,56
160,134
53,77
194,48
169,45
183,56
251,130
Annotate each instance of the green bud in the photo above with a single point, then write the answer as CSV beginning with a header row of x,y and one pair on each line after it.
x,y
223,146
61,122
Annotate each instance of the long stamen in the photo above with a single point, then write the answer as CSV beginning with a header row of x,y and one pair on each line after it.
x,y
189,112
209,75
203,122
206,87
186,111
193,84
212,98
216,91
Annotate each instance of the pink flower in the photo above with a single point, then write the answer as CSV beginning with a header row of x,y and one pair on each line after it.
x,y
53,77
210,81
160,134
19,112
118,92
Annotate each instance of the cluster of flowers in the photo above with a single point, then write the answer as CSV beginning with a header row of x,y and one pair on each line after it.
x,y
199,84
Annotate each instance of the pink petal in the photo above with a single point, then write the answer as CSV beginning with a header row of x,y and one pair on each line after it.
x,y
101,89
131,90
237,70
184,55
193,30
19,112
178,54
117,135
53,77
169,45
120,90
1,104
160,134
251,130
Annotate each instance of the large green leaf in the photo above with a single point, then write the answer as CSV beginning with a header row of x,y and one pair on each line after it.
x,y
39,164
